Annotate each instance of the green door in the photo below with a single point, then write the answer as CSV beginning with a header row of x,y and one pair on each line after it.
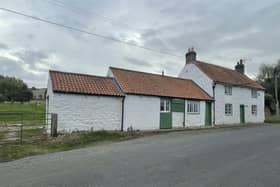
x,y
208,114
242,114
165,120
165,114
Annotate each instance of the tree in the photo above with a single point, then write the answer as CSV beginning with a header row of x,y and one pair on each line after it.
x,y
12,89
267,77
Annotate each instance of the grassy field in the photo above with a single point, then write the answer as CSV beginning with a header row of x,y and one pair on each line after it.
x,y
22,113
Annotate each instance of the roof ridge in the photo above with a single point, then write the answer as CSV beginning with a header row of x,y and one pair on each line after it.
x,y
82,74
136,71
217,66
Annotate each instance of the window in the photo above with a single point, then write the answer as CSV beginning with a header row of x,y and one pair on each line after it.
x,y
194,107
228,90
228,109
164,105
254,109
254,93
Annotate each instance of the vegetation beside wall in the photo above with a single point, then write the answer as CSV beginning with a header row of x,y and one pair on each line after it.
x,y
272,119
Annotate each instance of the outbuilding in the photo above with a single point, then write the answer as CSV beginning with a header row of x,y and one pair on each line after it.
x,y
154,101
84,102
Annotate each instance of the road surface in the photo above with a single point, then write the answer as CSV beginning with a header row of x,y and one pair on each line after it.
x,y
231,157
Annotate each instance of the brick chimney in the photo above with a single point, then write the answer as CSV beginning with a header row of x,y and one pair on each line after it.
x,y
240,67
190,55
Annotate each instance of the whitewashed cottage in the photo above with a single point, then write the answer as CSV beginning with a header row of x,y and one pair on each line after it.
x,y
237,98
203,94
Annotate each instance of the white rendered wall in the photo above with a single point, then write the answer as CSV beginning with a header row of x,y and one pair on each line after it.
x,y
192,72
195,120
141,112
177,119
86,112
240,96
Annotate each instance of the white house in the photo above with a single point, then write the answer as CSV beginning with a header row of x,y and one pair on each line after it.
x,y
203,94
237,98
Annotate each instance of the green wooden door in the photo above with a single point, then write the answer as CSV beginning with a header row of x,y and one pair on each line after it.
x,y
242,114
165,120
165,113
208,114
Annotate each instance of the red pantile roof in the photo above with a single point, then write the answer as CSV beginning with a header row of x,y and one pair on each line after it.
x,y
227,76
140,83
83,84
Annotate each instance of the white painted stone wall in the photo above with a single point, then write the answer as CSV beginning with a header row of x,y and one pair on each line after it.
x,y
141,112
85,112
192,72
195,120
177,119
240,96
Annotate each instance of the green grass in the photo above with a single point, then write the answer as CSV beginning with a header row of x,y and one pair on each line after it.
x,y
23,113
63,143
272,119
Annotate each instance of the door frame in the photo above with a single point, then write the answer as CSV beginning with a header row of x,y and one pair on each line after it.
x,y
208,117
242,113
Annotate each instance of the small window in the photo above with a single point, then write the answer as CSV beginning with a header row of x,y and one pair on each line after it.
x,y
228,109
194,107
254,93
228,90
254,109
164,105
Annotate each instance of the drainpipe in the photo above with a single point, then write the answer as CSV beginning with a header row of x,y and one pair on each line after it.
x,y
184,123
122,113
214,104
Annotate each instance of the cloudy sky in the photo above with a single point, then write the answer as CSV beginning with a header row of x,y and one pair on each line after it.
x,y
221,31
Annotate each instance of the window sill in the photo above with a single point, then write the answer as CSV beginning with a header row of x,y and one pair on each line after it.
x,y
193,113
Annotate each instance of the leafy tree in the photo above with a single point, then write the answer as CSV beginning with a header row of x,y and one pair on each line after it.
x,y
12,89
266,78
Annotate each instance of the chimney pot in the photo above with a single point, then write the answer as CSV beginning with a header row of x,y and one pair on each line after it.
x,y
240,67
190,55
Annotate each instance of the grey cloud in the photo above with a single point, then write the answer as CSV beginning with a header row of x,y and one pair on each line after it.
x,y
137,62
3,46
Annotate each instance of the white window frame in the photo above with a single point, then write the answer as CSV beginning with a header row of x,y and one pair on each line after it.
x,y
228,90
193,107
228,109
254,109
254,93
166,105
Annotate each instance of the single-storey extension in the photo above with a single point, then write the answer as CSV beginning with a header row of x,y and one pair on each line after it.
x,y
126,99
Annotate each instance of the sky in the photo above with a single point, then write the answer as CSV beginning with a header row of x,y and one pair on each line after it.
x,y
221,32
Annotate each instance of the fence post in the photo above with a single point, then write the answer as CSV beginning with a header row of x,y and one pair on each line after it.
x,y
54,125
21,131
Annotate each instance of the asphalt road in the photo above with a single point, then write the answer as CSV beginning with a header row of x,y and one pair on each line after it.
x,y
239,157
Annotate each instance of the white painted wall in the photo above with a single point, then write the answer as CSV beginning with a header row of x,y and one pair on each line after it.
x,y
195,120
177,119
86,112
240,96
190,71
141,112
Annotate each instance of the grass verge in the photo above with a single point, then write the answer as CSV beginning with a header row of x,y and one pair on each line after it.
x,y
272,119
65,142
